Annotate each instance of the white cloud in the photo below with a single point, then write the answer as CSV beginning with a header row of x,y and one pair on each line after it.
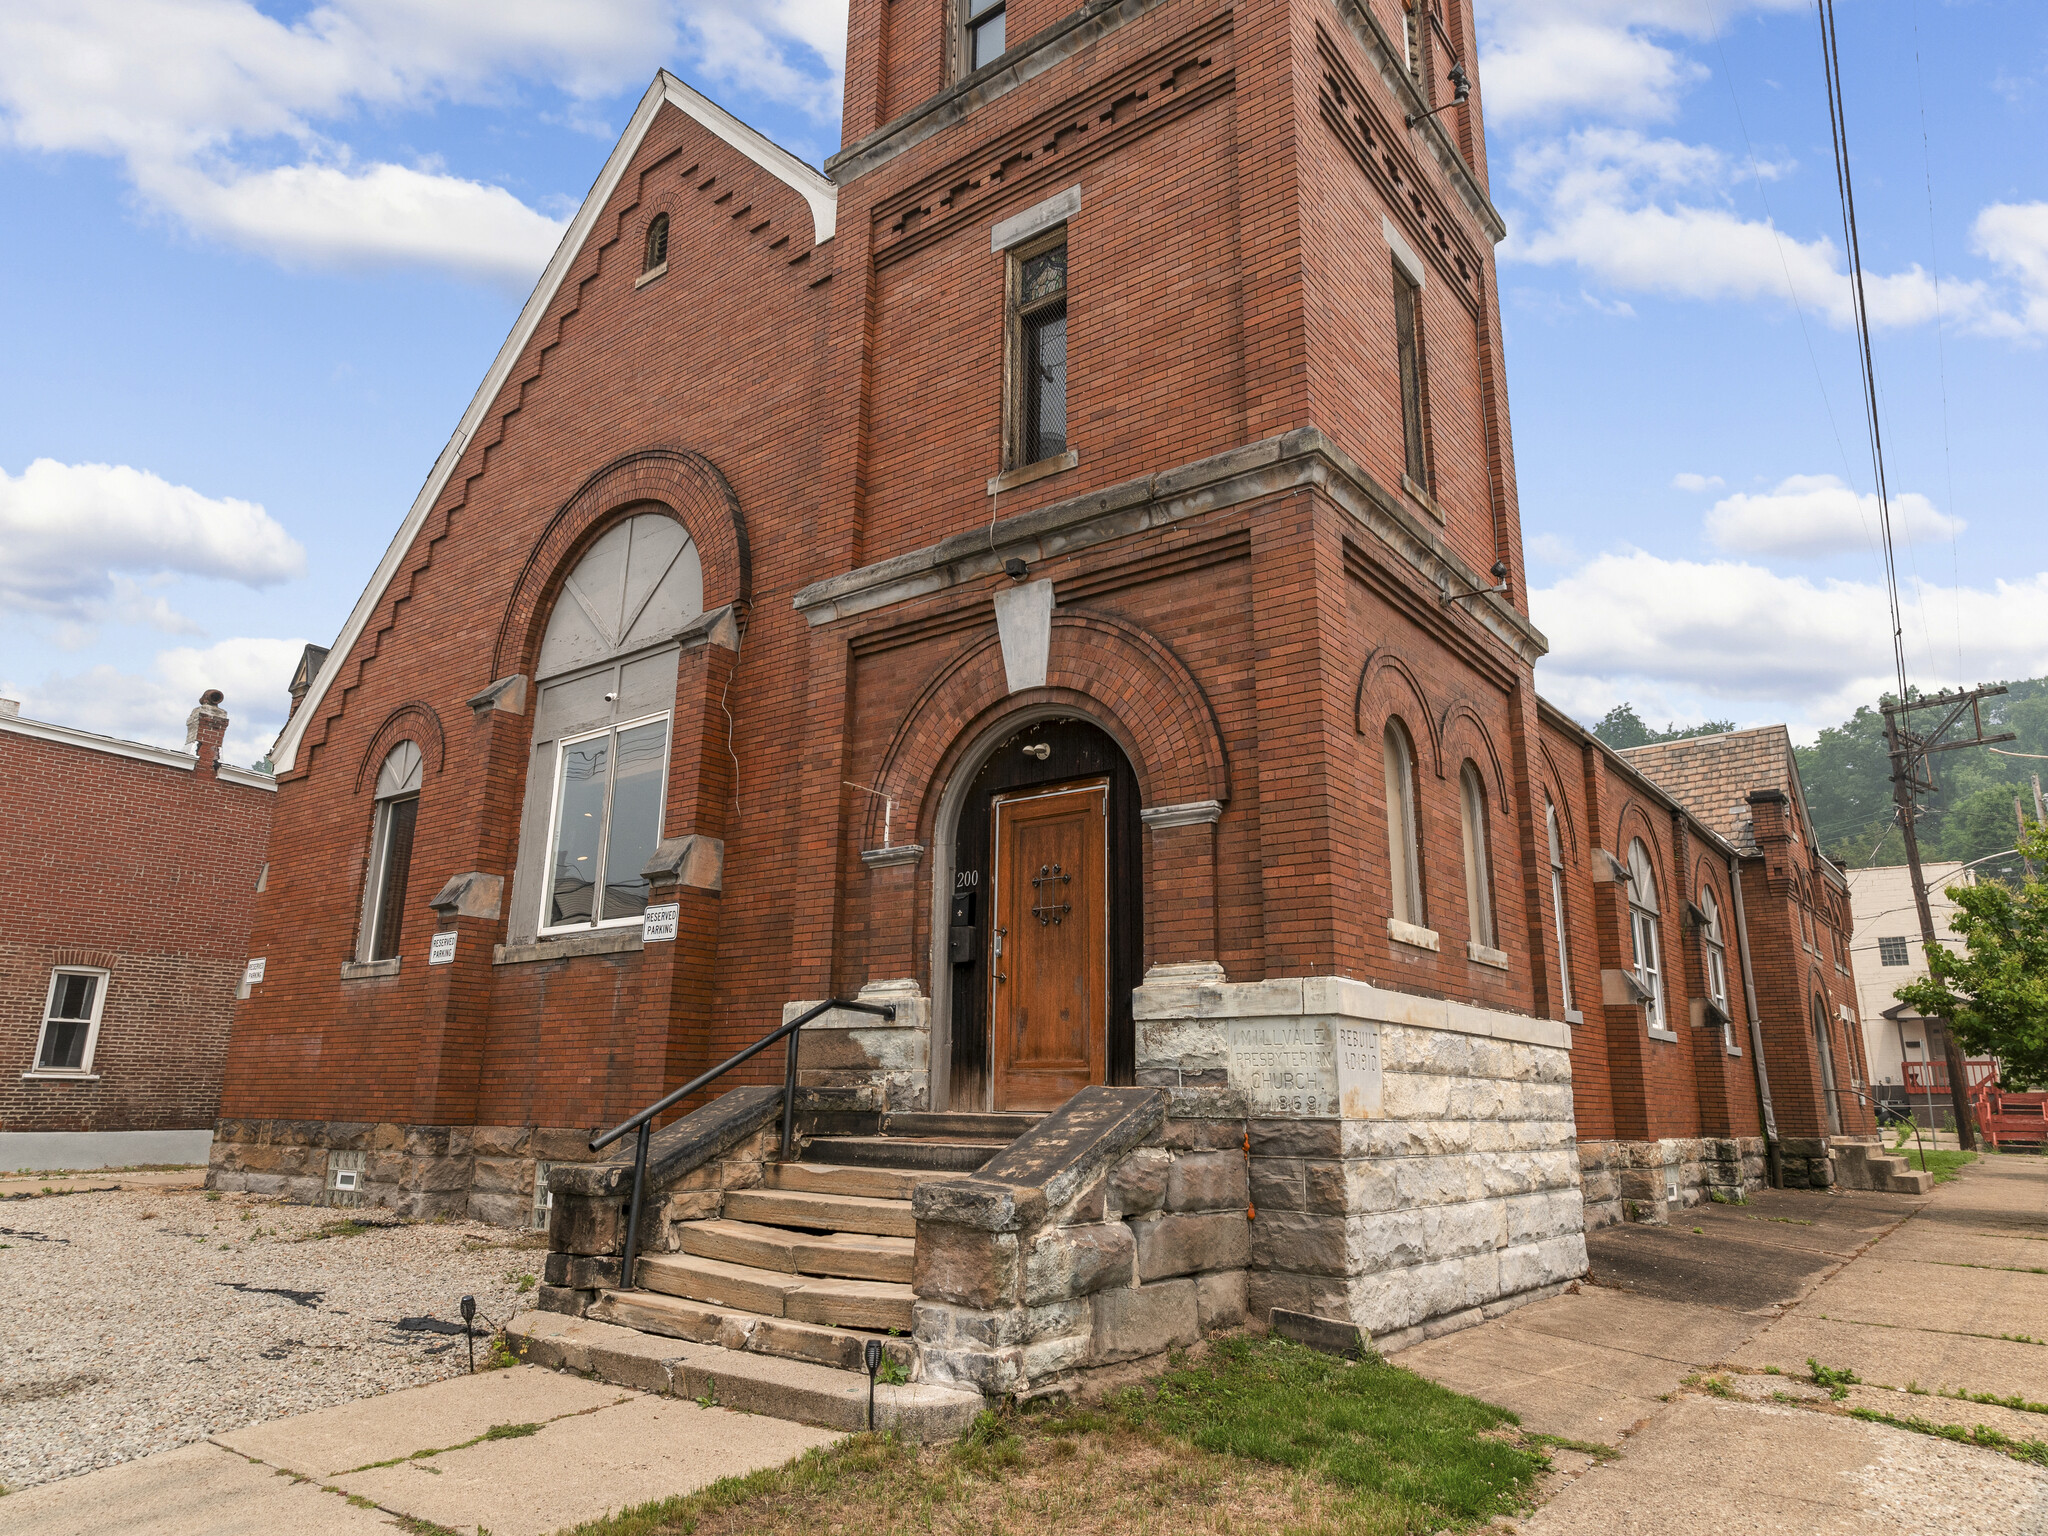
x,y
1597,58
2015,237
1549,549
1805,516
1688,639
66,529
304,214
225,116
1649,215
1686,480
151,706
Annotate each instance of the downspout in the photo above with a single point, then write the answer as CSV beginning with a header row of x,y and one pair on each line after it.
x,y
1756,1031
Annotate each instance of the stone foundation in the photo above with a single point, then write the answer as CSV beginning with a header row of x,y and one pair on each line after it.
x,y
1646,1181
1411,1160
482,1172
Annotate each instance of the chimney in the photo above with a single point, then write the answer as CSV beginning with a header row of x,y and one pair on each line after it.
x,y
204,728
10,707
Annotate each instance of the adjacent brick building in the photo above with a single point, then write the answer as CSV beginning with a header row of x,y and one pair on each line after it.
x,y
133,870
1057,573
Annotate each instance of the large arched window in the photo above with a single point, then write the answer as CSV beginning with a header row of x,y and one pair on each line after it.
x,y
1716,948
605,680
1404,850
1557,907
1478,864
1642,926
391,829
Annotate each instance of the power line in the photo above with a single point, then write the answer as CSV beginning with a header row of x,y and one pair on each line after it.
x,y
1940,347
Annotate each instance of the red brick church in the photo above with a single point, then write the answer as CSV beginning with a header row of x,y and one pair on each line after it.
x,y
1058,573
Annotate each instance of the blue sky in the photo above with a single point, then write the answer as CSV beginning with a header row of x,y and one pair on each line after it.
x,y
256,259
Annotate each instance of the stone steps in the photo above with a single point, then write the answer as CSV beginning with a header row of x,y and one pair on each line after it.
x,y
878,1183
928,1155
650,1361
822,1213
847,1255
873,1304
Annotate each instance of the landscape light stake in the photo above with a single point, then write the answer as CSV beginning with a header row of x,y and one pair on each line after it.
x,y
469,1331
874,1357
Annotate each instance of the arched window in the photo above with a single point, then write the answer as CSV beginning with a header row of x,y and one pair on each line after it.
x,y
1478,866
1642,924
656,254
1404,851
606,680
1717,966
391,829
1825,1058
1557,907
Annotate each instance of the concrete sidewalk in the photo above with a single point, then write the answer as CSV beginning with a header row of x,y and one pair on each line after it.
x,y
519,1452
1686,1358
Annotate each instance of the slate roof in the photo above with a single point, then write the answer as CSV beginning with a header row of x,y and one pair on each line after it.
x,y
1712,776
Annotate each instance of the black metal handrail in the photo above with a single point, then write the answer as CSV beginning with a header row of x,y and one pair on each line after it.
x,y
644,1121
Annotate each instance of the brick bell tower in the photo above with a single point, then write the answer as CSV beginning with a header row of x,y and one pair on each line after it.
x,y
1179,622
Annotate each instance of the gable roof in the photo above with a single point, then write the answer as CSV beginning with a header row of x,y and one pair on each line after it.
x,y
818,192
1713,776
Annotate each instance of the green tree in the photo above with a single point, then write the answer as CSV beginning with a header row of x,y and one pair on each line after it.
x,y
1996,992
1621,728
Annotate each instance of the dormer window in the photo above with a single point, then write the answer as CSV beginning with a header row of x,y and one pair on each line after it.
x,y
655,256
981,33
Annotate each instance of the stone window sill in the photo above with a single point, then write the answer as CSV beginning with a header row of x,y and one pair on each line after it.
x,y
1010,479
603,941
368,970
1413,934
1480,954
1423,499
649,275
46,1076
1664,1034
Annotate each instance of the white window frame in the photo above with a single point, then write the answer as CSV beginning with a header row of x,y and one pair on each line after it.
x,y
547,890
1717,969
377,884
83,1072
1404,836
1557,907
1643,921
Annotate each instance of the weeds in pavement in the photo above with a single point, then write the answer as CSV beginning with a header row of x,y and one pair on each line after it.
x,y
2035,1451
1838,1382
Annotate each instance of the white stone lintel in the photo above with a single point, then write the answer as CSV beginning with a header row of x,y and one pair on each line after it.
x,y
1191,813
895,853
1341,997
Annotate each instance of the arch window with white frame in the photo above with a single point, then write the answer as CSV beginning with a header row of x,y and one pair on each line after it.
x,y
1404,849
1716,949
1478,863
1557,907
71,1022
1642,925
605,685
391,835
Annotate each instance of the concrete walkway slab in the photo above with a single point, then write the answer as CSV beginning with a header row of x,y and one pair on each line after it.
x,y
1713,1468
580,1467
1664,1330
446,1413
1951,1297
1556,1386
196,1490
1901,1356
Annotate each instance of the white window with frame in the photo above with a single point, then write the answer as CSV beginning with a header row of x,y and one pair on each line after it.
x,y
1557,907
71,1022
604,687
1404,848
390,867
980,34
1716,948
1478,865
1642,923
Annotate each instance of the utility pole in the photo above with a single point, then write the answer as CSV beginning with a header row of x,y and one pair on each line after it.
x,y
1913,774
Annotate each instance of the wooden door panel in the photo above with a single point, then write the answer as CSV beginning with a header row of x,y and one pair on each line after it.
x,y
1049,986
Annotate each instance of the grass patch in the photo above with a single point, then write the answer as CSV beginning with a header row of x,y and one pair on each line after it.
x,y
1837,1382
1942,1165
1259,1435
1963,1395
2034,1451
495,1432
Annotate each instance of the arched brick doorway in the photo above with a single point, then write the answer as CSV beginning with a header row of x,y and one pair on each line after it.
x,y
1044,941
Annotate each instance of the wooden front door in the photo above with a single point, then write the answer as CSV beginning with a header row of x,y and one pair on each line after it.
x,y
1049,952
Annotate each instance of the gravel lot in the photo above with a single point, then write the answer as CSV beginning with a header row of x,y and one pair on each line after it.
x,y
142,1320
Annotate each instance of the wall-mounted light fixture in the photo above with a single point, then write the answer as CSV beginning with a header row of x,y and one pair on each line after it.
x,y
1461,85
1500,578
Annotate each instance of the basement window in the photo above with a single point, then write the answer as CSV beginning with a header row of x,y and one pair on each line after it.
x,y
1891,951
71,1023
346,1172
